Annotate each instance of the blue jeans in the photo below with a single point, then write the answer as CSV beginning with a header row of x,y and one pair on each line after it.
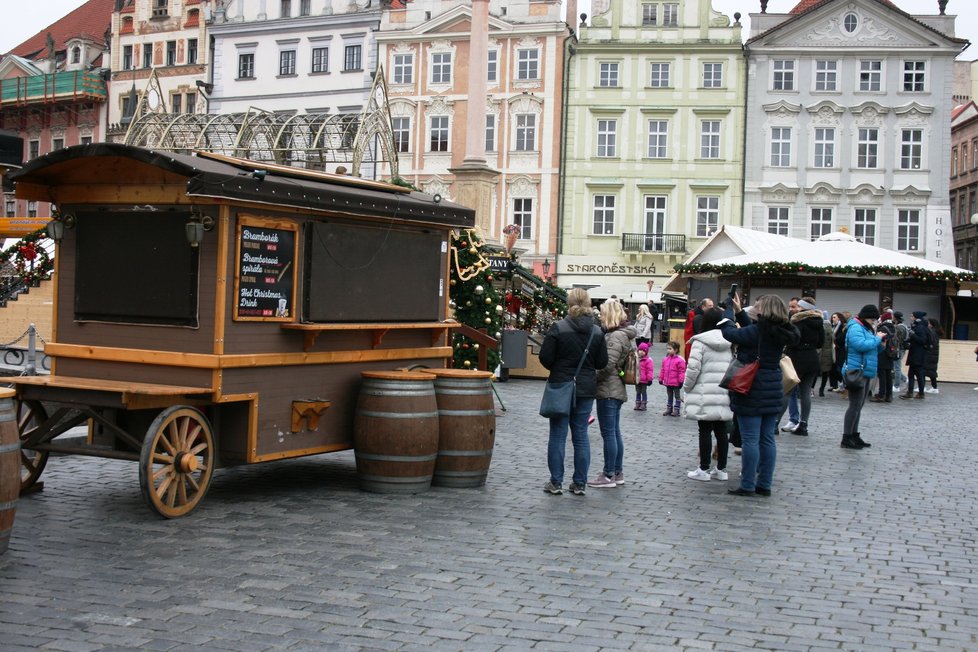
x,y
609,419
794,415
558,443
899,378
758,450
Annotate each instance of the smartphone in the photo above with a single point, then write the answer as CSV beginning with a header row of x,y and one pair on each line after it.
x,y
733,291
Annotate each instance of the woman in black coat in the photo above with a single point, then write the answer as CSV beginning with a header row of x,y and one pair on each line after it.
x,y
932,355
757,411
805,357
916,354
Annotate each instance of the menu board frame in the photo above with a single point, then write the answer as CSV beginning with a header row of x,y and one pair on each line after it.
x,y
268,224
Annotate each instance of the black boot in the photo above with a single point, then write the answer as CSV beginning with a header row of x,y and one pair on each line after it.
x,y
802,429
860,441
849,441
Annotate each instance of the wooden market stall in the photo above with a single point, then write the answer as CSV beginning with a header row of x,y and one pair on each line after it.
x,y
213,311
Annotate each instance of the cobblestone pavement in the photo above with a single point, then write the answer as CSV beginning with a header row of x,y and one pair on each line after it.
x,y
856,550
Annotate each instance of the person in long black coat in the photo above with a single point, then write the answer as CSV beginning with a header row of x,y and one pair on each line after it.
x,y
805,356
933,355
916,354
884,363
757,411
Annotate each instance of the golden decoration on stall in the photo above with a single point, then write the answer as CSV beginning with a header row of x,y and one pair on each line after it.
x,y
480,264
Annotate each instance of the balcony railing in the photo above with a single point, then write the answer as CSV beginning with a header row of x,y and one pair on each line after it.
x,y
57,87
666,243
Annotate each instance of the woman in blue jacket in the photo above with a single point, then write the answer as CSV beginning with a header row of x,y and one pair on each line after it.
x,y
757,412
863,345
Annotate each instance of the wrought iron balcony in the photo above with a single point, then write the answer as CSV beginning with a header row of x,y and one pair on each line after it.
x,y
666,243
74,85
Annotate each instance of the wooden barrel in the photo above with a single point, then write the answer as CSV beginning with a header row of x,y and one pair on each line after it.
x,y
395,431
466,427
9,466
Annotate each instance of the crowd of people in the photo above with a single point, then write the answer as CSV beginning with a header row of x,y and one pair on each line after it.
x,y
861,357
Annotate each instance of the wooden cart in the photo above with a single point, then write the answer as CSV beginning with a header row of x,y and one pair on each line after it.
x,y
212,311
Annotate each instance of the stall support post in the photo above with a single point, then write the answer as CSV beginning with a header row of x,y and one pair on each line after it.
x,y
31,368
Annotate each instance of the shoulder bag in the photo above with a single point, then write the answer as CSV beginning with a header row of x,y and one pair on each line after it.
x,y
739,376
559,398
789,377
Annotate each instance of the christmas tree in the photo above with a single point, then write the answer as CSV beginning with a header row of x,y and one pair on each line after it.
x,y
477,303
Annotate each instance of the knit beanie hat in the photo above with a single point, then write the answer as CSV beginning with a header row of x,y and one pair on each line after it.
x,y
869,311
919,314
644,346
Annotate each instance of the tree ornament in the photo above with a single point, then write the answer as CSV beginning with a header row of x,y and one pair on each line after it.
x,y
473,250
467,364
468,304
488,301
488,277
453,282
499,310
475,346
499,335
465,345
452,305
488,321
479,290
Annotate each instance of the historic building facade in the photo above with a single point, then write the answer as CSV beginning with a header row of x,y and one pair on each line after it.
x,y
849,125
424,47
654,141
964,185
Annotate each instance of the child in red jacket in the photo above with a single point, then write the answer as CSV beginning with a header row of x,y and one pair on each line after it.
x,y
646,374
672,373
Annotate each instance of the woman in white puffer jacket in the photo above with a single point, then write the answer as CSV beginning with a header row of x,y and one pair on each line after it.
x,y
706,402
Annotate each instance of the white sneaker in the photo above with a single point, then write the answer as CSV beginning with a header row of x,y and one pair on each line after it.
x,y
931,390
791,427
699,474
717,474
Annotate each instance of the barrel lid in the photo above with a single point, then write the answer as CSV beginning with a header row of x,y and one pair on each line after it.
x,y
396,375
6,392
459,373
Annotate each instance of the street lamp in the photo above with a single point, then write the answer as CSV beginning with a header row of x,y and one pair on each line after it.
x,y
546,269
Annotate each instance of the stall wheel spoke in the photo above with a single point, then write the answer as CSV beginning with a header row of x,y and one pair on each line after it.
x,y
177,461
30,416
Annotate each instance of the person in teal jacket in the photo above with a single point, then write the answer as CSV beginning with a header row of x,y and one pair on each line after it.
x,y
863,345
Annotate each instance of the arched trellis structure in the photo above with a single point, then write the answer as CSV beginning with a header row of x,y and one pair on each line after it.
x,y
318,141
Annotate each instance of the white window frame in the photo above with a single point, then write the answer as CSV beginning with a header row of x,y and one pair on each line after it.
x,y
526,132
912,149
528,64
607,138
443,129
867,148
441,68
353,57
492,66
783,75
712,75
914,76
608,74
523,216
826,75
780,147
818,225
403,64
707,215
670,14
656,216
490,132
603,214
660,73
870,78
246,65
320,60
778,220
650,14
864,225
658,138
401,132
908,230
710,131
286,63
824,147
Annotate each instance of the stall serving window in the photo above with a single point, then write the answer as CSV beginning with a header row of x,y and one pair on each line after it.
x,y
135,268
356,273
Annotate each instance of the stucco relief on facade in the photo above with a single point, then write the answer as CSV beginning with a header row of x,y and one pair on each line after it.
x,y
440,105
910,195
824,193
914,115
779,193
826,114
437,185
865,194
834,29
868,114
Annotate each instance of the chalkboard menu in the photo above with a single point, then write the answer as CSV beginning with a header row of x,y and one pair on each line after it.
x,y
264,275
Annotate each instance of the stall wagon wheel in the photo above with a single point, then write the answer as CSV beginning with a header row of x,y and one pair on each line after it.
x,y
177,461
30,416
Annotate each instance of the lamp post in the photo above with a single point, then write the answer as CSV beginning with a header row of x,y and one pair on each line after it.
x,y
546,269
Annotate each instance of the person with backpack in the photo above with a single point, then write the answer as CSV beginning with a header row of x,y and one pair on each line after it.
x,y
902,335
918,341
885,358
619,335
932,355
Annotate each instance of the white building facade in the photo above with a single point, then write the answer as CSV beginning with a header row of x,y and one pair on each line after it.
x,y
848,125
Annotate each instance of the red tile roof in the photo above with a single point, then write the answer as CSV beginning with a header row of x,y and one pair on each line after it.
x,y
89,20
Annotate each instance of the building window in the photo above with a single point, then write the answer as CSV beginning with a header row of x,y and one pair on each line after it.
x,y
826,75
871,76
403,68
10,207
655,222
147,55
974,154
707,216
492,70
526,132
33,149
864,226
86,140
32,209
176,102
850,22
608,75
286,8
305,7
954,161
607,138
286,62
914,76
490,132
658,138
908,230
402,134
821,222
710,139
523,216
441,68
191,50
824,147
604,215
127,57
171,53
712,75
867,148
780,147
439,133
246,66
76,54
352,57
649,13
320,59
777,220
964,158
527,64
660,75
911,149
670,15
57,143
191,102
784,75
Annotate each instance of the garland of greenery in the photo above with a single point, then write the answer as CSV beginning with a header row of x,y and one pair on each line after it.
x,y
760,269
30,260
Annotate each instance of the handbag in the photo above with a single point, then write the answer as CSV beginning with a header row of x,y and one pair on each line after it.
x,y
560,398
739,376
789,377
854,377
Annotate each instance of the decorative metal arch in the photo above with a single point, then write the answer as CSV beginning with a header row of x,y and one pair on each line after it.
x,y
306,140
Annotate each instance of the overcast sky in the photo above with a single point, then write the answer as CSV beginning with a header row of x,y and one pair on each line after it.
x,y
24,19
